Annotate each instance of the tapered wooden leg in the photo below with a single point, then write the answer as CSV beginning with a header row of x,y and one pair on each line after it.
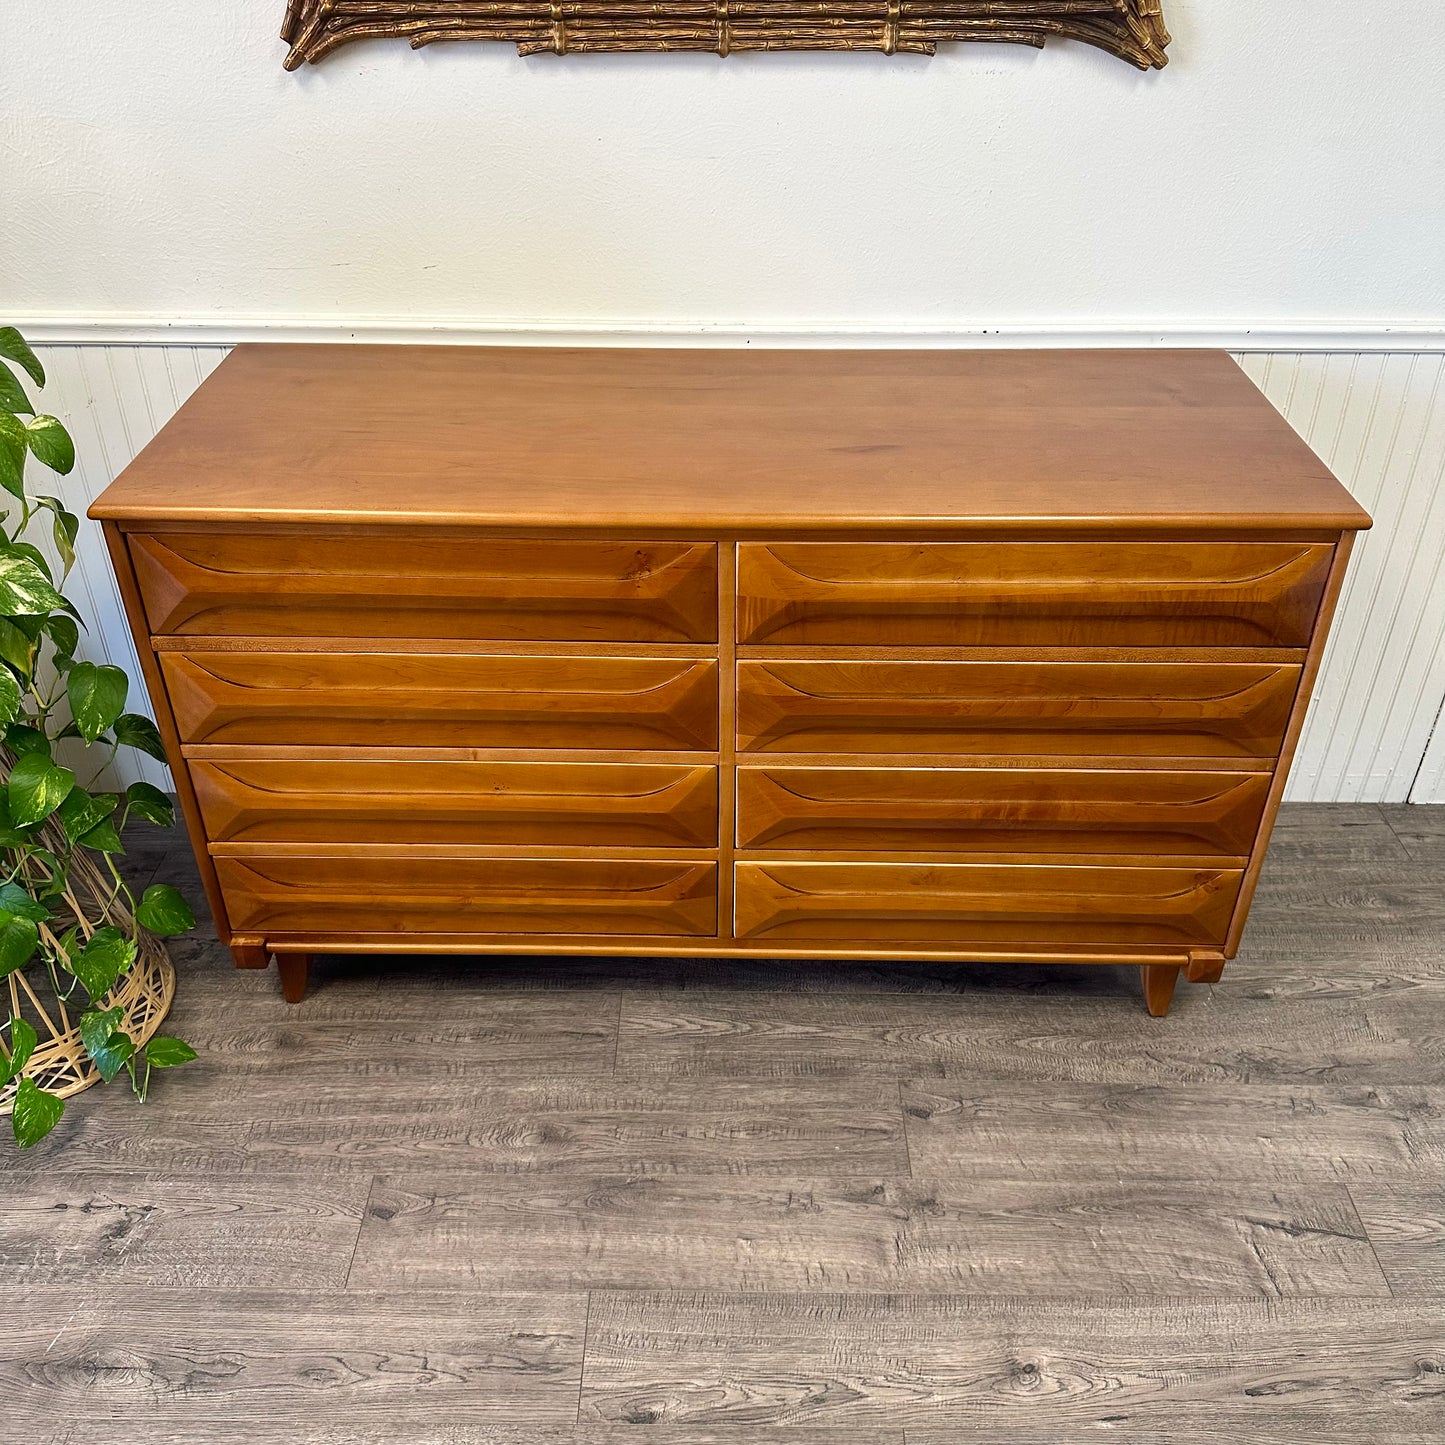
x,y
295,970
250,953
1159,981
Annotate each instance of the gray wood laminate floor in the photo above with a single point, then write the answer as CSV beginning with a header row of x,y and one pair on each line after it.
x,y
552,1201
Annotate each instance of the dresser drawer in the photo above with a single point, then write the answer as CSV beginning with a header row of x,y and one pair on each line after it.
x,y
390,800
292,893
271,584
1047,594
442,700
1000,810
963,904
1193,709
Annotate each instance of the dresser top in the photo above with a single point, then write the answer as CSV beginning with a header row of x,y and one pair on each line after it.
x,y
732,441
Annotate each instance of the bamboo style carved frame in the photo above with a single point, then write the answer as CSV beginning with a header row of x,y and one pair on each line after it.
x,y
1131,29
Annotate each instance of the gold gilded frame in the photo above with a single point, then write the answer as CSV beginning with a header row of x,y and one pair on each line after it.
x,y
1131,29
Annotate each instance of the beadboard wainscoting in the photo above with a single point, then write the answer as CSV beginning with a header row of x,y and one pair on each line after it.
x,y
1375,733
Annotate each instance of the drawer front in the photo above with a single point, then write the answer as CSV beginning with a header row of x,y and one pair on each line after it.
x,y
442,700
388,800
1048,708
962,904
1047,594
318,585
1000,810
291,893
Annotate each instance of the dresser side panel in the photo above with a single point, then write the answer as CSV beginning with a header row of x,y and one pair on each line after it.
x,y
1308,674
115,542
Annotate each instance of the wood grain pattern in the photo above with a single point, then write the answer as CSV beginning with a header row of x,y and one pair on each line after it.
x,y
389,801
915,1236
959,1365
286,584
1054,709
486,1358
984,810
444,699
987,1025
493,1035
966,903
293,893
964,1129
576,1129
734,441
1045,594
216,1231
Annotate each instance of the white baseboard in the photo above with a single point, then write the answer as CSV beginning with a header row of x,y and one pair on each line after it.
x,y
1268,336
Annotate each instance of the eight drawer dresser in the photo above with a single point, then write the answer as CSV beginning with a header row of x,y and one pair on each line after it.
x,y
957,655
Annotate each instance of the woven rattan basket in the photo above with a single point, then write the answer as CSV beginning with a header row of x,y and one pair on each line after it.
x,y
60,1063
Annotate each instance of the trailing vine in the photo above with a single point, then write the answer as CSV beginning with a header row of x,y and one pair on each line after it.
x,y
68,920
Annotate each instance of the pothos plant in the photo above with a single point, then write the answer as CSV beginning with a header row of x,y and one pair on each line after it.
x,y
68,920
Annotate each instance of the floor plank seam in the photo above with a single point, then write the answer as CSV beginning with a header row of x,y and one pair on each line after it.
x,y
582,1363
617,1030
360,1225
903,1125
1370,1240
1397,835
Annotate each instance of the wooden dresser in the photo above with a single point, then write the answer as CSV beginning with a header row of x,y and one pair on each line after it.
x,y
997,656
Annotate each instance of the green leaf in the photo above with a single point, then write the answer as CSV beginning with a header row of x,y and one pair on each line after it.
x,y
19,938
25,590
17,901
65,944
148,802
51,443
32,553
16,648
64,634
104,1042
22,738
23,1039
37,787
9,695
164,911
35,1114
166,1053
97,697
136,731
97,1026
108,955
113,1055
14,448
12,394
103,838
10,835
13,348
82,811
65,528
54,886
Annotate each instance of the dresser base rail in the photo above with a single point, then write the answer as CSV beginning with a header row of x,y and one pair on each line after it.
x,y
1160,969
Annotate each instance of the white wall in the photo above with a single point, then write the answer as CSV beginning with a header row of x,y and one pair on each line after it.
x,y
1280,188
1288,166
